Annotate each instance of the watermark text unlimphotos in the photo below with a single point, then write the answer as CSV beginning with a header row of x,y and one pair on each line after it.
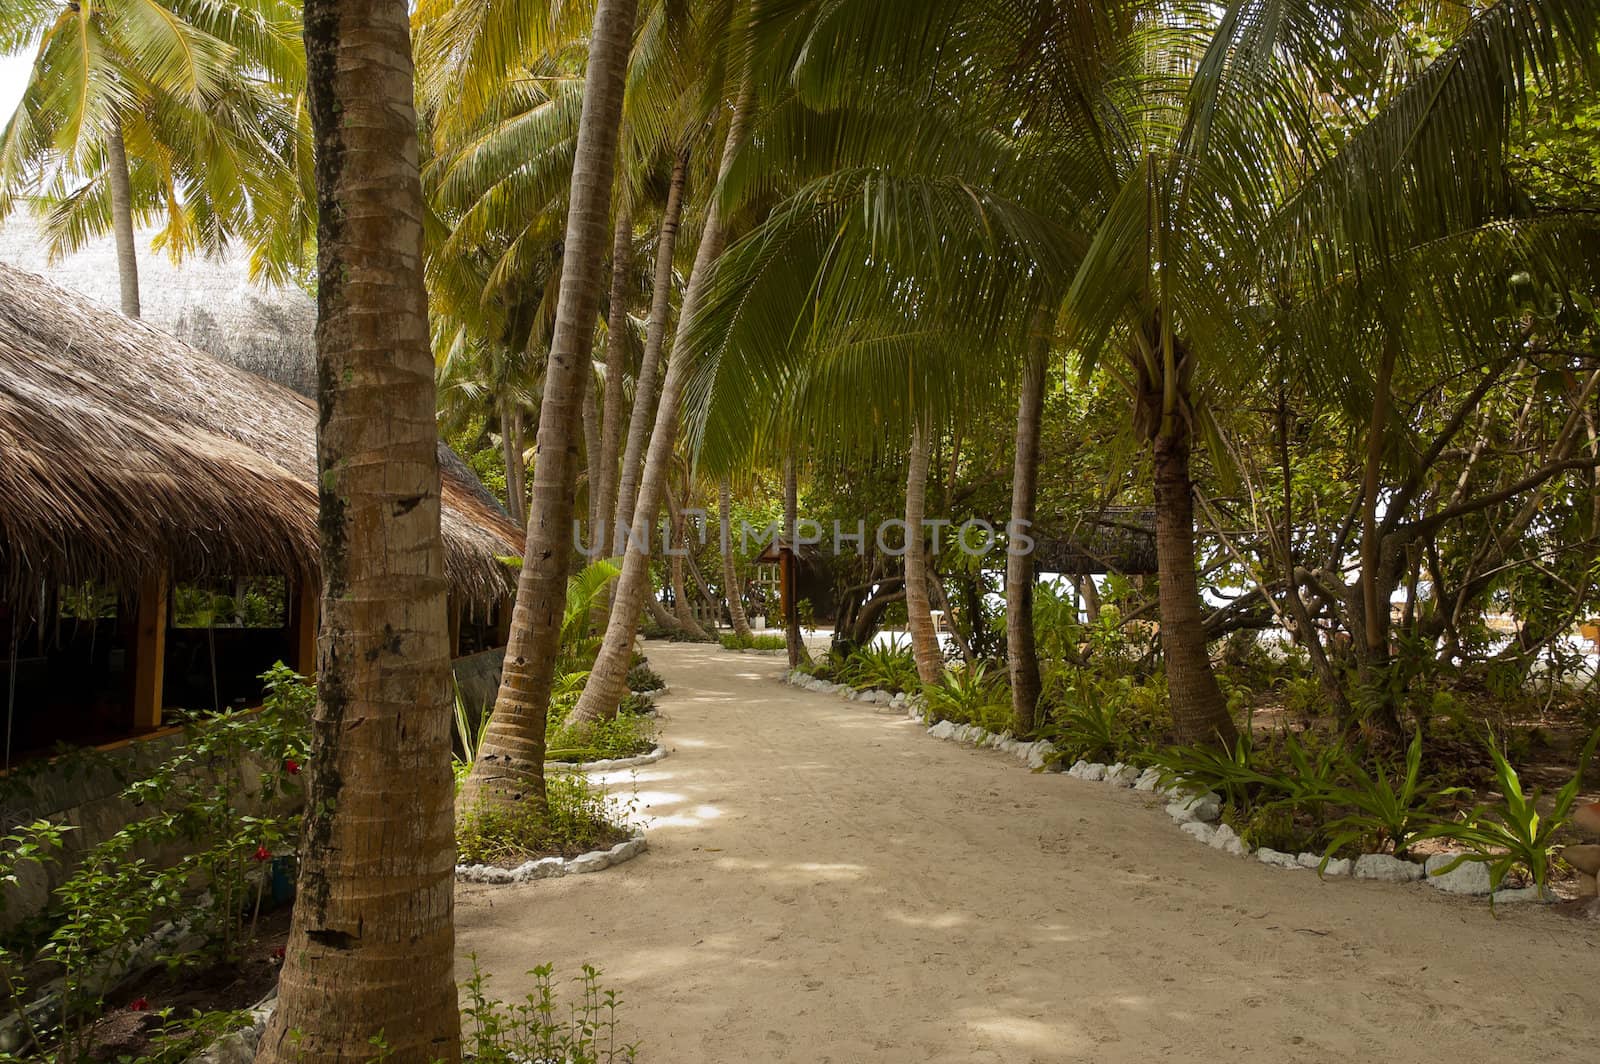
x,y
975,538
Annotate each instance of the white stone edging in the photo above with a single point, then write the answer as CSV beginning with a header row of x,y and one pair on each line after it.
x,y
552,867
1195,813
608,764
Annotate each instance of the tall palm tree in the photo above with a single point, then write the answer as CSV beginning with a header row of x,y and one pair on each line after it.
x,y
372,945
919,616
731,589
510,763
1022,659
190,111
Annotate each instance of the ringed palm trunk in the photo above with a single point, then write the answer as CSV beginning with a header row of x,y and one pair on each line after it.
x,y
371,945
605,492
1199,713
919,615
510,763
730,574
122,219
1022,658
591,457
516,475
793,640
608,679
644,391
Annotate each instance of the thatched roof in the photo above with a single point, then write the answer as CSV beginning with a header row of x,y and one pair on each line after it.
x,y
205,301
127,449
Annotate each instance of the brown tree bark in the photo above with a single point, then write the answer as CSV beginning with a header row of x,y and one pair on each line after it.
x,y
919,616
731,589
1022,657
793,639
122,219
605,493
510,762
644,389
371,945
608,680
1199,713
516,472
591,457
682,559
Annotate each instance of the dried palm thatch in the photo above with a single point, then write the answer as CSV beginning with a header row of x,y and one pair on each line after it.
x,y
126,451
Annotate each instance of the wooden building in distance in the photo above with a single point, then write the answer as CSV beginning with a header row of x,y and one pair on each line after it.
x,y
158,526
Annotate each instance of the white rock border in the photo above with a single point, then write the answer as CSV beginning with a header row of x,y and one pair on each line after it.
x,y
552,867
1196,813
609,764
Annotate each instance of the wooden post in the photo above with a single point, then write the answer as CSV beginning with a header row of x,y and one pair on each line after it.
x,y
149,651
305,613
454,609
502,621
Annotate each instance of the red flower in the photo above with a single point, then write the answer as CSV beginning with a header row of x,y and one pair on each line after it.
x,y
263,854
291,766
139,1005
278,953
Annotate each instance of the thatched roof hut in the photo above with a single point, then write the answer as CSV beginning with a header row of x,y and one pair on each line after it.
x,y
129,451
206,301
1118,539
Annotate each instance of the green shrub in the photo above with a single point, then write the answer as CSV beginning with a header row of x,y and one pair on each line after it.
x,y
970,695
579,817
1101,718
628,734
889,667
539,1029
641,677
1511,833
734,641
1383,805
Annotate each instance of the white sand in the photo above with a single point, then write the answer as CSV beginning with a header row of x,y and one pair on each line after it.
x,y
828,884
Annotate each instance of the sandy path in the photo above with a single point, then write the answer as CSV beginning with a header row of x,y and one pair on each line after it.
x,y
827,884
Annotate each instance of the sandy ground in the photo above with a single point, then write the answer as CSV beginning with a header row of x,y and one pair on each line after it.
x,y
827,884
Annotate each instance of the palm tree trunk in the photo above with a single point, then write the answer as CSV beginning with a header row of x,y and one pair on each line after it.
x,y
644,389
122,218
1199,713
608,679
730,574
516,474
591,457
681,559
371,945
510,762
1022,657
605,494
794,640
919,616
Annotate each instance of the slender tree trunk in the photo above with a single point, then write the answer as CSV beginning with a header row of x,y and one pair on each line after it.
x,y
591,457
682,559
122,219
510,762
793,638
1091,599
616,366
372,945
516,473
644,389
608,680
730,574
1022,656
919,615
1199,713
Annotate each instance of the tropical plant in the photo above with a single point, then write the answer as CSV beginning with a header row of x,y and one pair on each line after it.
x,y
887,666
537,1029
969,695
1511,833
1392,807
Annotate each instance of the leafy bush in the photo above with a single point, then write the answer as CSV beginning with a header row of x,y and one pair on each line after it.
x,y
628,734
537,1030
1511,833
890,667
1101,718
734,641
579,817
970,696
1384,806
641,677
